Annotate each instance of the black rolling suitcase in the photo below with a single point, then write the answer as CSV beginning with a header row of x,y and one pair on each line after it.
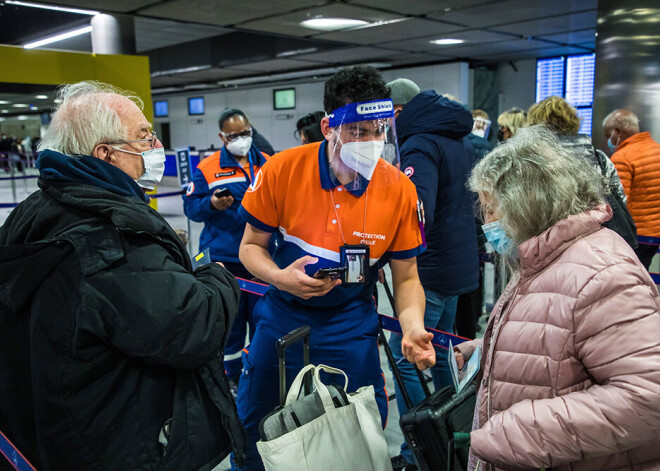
x,y
429,427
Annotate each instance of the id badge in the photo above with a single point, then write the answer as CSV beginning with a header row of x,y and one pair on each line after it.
x,y
356,260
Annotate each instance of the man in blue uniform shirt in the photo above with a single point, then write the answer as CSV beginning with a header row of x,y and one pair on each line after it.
x,y
213,197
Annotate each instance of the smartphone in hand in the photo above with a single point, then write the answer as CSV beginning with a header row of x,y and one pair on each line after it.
x,y
335,273
222,193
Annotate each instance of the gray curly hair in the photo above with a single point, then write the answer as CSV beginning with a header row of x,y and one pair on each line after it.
x,y
86,117
534,182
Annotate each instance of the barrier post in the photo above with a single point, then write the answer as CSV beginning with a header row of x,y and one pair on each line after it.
x,y
25,183
189,237
12,174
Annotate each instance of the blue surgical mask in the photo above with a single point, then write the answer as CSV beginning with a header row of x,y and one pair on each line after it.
x,y
496,237
611,146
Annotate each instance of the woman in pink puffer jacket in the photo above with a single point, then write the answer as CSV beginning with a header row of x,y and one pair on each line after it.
x,y
571,363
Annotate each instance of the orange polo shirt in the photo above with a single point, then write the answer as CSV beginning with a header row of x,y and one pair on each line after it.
x,y
296,195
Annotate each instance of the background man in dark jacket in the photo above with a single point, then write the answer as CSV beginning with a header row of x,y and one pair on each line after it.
x,y
111,351
437,157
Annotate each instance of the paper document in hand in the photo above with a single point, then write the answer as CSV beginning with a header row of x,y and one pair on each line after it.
x,y
463,377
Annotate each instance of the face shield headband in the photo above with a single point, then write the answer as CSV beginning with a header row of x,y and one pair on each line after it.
x,y
365,134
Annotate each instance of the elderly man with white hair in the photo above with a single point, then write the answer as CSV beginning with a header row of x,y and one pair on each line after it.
x,y
637,160
111,351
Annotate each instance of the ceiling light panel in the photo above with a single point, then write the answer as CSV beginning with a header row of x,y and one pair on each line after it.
x,y
117,6
447,41
52,7
332,24
58,37
290,23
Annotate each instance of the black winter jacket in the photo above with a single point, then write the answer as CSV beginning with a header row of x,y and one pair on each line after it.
x,y
438,157
107,334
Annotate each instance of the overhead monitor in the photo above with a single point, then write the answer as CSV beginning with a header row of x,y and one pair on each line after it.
x,y
284,99
196,105
161,109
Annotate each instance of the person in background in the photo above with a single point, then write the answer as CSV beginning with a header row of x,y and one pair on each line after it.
x,y
110,355
308,128
637,161
562,119
470,305
437,157
328,202
26,144
509,123
213,197
570,374
479,135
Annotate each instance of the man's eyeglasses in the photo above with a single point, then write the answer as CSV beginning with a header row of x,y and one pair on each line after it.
x,y
152,140
233,137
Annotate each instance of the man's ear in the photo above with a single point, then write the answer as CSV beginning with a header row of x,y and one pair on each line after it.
x,y
326,130
222,138
105,153
397,110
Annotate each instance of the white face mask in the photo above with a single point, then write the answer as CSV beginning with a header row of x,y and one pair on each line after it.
x,y
362,156
154,167
240,146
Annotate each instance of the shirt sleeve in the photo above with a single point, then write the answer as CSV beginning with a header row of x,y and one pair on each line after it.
x,y
407,242
259,206
197,199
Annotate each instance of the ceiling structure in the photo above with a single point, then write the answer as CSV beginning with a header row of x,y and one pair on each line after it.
x,y
199,44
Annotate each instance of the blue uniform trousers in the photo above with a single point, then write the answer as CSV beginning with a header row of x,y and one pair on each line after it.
x,y
236,338
344,338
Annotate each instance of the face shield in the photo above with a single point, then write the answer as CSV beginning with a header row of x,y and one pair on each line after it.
x,y
481,127
363,149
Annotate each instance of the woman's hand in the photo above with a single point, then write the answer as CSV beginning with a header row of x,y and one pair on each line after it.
x,y
460,359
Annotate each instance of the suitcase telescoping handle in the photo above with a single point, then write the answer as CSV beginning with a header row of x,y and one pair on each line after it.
x,y
284,343
395,367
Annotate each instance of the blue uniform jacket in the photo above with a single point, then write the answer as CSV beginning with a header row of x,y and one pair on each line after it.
x,y
437,157
223,230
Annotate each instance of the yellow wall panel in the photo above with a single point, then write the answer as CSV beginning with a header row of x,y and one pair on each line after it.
x,y
44,67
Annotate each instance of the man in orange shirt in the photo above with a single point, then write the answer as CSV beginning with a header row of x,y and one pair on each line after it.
x,y
338,204
637,160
